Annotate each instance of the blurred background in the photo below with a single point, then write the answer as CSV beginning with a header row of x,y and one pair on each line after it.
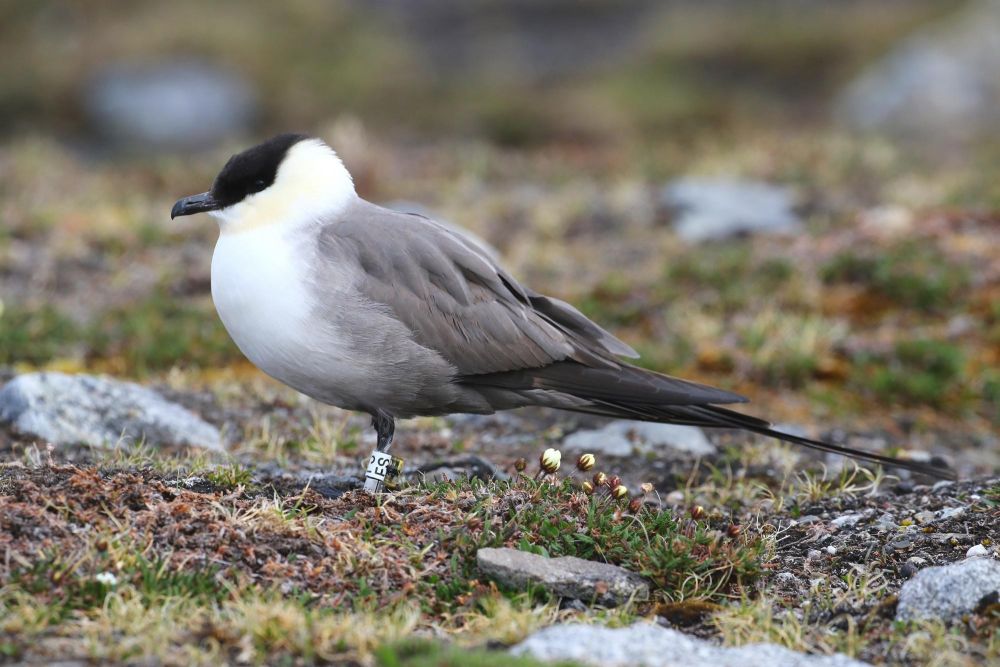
x,y
798,200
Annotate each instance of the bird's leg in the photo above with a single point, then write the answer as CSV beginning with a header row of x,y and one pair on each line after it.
x,y
384,426
383,468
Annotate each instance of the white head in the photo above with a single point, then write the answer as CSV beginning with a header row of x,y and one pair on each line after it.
x,y
289,180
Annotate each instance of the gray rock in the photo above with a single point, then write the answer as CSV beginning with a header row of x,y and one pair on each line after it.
x,y
938,87
99,411
712,209
622,437
525,40
647,645
943,486
952,538
787,582
568,577
169,105
847,520
950,513
886,523
459,467
949,591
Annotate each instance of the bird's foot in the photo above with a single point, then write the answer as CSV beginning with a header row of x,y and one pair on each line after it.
x,y
384,469
384,472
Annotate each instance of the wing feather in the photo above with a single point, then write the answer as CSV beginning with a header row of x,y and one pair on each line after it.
x,y
455,299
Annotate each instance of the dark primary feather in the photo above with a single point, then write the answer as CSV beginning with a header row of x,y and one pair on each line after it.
x,y
506,340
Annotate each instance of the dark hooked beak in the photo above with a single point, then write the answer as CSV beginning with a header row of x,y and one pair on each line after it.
x,y
194,204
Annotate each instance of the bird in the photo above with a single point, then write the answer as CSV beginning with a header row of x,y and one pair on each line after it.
x,y
395,315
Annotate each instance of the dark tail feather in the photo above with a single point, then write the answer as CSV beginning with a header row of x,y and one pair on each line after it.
x,y
930,469
634,393
714,416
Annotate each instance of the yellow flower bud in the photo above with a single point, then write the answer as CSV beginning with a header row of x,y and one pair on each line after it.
x,y
585,462
520,464
588,488
550,460
619,491
600,479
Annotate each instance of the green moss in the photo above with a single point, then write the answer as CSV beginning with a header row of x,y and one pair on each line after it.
x,y
991,394
156,333
62,586
612,302
925,372
913,275
726,277
35,335
230,476
421,653
160,332
683,558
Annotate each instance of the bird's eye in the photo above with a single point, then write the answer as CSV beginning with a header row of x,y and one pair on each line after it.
x,y
259,184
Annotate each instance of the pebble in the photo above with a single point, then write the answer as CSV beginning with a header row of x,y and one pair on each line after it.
x,y
674,498
885,523
567,577
951,513
901,543
649,645
846,520
976,551
623,437
948,592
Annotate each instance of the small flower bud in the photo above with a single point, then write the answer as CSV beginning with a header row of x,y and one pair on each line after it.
x,y
646,488
635,504
550,460
600,479
697,512
585,462
614,481
733,531
520,464
588,488
619,491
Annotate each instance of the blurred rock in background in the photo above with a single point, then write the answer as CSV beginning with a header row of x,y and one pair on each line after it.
x,y
522,39
169,104
713,209
939,87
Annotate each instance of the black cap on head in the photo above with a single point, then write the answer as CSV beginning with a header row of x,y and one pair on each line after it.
x,y
252,170
245,173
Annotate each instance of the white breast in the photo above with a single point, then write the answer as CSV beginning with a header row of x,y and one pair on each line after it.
x,y
259,290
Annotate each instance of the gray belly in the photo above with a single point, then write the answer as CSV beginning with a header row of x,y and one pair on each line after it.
x,y
360,358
